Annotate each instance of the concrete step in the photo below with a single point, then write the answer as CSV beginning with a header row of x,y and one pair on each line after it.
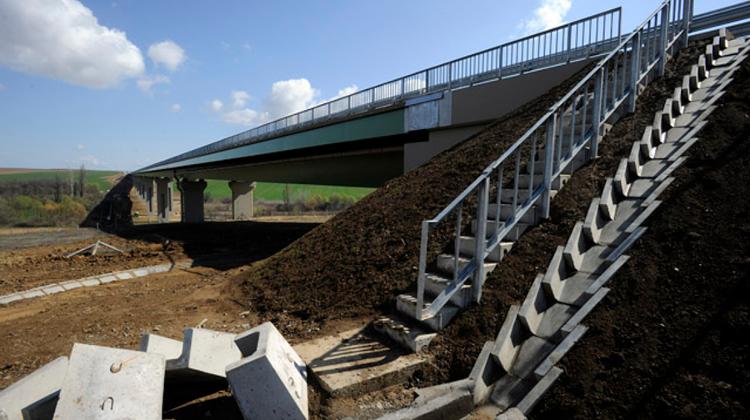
x,y
446,264
532,216
434,284
467,245
406,304
524,180
513,235
404,331
523,194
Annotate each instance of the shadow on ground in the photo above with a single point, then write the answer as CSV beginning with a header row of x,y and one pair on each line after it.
x,y
222,245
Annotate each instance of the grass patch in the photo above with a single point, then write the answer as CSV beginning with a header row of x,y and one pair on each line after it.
x,y
266,191
96,178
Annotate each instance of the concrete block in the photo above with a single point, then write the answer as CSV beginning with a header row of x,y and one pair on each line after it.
x,y
32,294
594,222
122,276
424,395
52,289
90,282
103,382
512,413
407,304
609,199
406,334
108,279
509,340
34,397
357,361
205,355
141,272
576,247
4,300
623,179
167,347
270,381
484,374
560,351
453,405
535,394
70,285
584,310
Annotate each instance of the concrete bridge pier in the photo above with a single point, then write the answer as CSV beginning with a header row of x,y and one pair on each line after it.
x,y
192,200
163,200
242,199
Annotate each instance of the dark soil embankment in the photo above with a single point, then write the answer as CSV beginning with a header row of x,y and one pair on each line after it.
x,y
364,256
672,338
458,346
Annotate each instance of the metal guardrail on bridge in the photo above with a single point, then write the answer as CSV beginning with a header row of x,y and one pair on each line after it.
x,y
574,122
577,40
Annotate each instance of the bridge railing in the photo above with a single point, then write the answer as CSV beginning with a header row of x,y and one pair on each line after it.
x,y
577,40
545,151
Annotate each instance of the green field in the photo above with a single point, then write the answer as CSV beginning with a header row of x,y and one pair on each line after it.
x,y
98,178
266,191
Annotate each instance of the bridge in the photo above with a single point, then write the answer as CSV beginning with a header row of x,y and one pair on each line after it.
x,y
373,135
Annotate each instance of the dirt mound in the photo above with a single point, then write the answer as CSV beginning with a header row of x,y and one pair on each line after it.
x,y
364,256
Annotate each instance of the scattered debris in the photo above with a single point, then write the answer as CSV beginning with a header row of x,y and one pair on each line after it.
x,y
94,248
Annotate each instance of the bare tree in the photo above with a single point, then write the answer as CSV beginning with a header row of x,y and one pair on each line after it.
x,y
81,180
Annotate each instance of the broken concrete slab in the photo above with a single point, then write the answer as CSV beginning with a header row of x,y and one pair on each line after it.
x,y
34,397
205,355
103,382
167,347
270,381
356,361
453,405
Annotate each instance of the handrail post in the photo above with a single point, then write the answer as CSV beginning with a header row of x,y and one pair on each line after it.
x,y
422,268
597,117
549,148
635,71
687,16
663,33
570,31
480,238
500,68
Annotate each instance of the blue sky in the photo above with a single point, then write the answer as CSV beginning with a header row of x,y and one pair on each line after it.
x,y
122,84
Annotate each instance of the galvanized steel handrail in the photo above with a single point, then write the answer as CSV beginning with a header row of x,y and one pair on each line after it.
x,y
721,16
571,124
576,40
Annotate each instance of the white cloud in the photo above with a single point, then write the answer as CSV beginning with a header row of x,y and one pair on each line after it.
x,y
247,117
289,96
145,83
549,14
168,54
176,108
216,105
239,98
80,146
62,39
286,97
345,92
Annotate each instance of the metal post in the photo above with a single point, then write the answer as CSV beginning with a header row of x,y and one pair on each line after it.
x,y
570,31
635,71
480,238
597,117
663,33
549,148
422,269
687,16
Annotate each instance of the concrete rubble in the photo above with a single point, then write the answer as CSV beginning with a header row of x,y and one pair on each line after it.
x,y
268,378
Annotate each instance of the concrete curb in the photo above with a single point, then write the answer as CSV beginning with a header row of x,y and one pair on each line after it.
x,y
64,286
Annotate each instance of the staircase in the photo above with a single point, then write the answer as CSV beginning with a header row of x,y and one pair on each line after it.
x,y
514,192
514,371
